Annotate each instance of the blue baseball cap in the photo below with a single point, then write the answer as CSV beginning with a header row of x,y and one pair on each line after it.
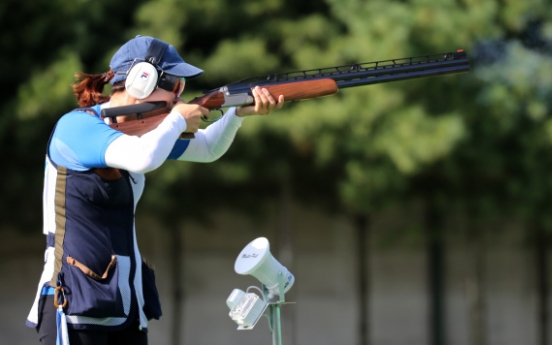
x,y
136,50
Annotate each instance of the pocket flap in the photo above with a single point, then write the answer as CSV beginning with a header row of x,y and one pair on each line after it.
x,y
88,271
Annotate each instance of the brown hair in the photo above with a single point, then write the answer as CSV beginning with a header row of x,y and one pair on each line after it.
x,y
89,88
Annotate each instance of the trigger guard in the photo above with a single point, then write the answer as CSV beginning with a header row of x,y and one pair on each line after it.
x,y
205,119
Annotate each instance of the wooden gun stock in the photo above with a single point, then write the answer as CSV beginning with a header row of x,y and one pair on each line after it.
x,y
140,118
140,126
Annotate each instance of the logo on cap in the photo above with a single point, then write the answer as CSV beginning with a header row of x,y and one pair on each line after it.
x,y
144,75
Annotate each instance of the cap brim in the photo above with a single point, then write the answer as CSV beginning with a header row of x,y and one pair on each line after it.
x,y
182,70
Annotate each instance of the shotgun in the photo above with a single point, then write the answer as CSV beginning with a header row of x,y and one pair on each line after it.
x,y
295,86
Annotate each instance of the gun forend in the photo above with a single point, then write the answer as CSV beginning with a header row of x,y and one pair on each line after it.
x,y
228,96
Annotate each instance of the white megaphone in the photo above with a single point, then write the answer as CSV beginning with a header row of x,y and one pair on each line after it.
x,y
255,259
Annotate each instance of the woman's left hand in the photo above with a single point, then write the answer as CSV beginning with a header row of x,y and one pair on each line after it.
x,y
264,103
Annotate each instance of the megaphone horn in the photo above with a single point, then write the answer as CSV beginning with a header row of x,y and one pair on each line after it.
x,y
256,260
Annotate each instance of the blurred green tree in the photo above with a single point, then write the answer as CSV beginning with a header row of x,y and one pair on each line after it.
x,y
43,43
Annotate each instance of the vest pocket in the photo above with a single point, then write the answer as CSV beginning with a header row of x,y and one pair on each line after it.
x,y
92,294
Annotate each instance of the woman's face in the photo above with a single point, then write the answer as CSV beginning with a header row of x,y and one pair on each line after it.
x,y
168,91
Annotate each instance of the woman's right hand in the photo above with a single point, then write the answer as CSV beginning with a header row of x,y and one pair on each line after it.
x,y
192,113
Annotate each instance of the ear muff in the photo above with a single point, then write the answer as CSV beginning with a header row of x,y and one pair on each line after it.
x,y
141,80
143,77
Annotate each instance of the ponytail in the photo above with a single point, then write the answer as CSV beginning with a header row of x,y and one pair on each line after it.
x,y
89,88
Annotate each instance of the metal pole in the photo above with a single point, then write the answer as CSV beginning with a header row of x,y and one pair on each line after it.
x,y
274,311
275,324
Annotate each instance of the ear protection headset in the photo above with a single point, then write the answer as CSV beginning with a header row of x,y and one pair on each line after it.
x,y
144,76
